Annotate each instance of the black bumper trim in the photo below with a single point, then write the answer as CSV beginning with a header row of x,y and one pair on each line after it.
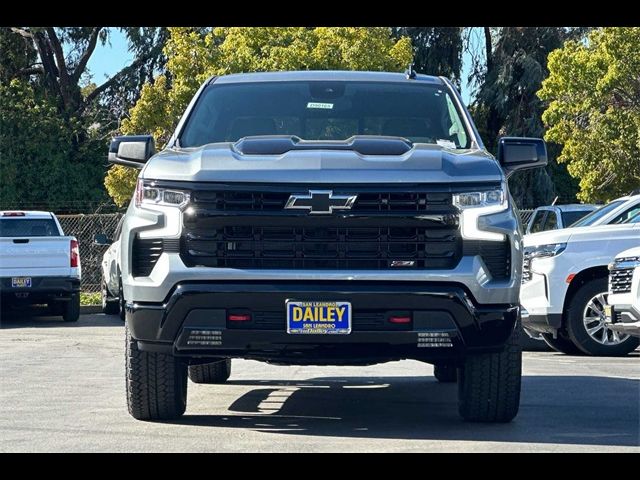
x,y
41,287
549,323
443,307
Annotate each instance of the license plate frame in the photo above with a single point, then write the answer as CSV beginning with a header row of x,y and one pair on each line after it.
x,y
318,317
21,282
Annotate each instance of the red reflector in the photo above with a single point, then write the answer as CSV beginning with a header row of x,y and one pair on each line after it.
x,y
75,254
239,318
13,214
570,277
400,319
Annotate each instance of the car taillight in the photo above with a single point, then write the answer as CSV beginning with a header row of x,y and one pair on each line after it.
x,y
75,253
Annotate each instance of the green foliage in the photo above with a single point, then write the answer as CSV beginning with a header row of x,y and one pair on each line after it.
x,y
594,112
437,50
45,160
506,104
193,55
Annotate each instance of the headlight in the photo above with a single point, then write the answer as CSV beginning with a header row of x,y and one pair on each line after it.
x,y
624,263
476,204
149,194
545,251
479,199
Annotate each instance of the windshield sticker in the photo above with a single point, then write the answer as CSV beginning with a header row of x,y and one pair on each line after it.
x,y
324,106
446,143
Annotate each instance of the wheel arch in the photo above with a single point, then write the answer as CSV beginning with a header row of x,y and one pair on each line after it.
x,y
586,275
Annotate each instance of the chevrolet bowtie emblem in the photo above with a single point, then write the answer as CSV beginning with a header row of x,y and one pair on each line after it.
x,y
321,202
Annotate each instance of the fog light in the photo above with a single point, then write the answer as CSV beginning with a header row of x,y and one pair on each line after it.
x,y
398,319
434,340
204,338
239,317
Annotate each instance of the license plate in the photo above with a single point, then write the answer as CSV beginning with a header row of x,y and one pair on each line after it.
x,y
318,317
608,312
21,282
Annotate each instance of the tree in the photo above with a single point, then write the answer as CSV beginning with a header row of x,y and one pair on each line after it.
x,y
437,50
593,91
54,120
193,55
506,103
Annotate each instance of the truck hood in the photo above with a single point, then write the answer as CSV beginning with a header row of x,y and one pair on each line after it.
x,y
220,162
564,235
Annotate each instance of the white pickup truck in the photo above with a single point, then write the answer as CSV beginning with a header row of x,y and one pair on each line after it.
x,y
39,264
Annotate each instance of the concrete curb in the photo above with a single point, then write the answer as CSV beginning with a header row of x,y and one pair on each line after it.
x,y
87,309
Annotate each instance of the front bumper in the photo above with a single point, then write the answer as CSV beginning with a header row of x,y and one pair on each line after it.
x,y
623,319
42,289
446,322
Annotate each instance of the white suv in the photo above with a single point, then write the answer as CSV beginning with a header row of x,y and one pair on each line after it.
x,y
623,312
564,287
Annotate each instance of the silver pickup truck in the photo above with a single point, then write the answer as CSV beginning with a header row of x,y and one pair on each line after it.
x,y
322,218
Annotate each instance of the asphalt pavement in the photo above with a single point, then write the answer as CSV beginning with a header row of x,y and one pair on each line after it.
x,y
62,389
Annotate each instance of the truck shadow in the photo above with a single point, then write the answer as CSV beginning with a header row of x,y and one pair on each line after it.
x,y
581,410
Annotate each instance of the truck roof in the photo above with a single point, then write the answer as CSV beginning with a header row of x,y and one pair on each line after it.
x,y
572,207
325,75
25,214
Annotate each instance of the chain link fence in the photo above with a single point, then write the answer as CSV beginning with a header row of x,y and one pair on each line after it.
x,y
84,227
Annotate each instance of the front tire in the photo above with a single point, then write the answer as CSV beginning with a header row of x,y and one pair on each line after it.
x,y
156,383
445,373
561,344
71,312
489,384
586,323
121,303
109,306
215,372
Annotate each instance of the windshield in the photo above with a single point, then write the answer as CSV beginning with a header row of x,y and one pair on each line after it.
x,y
326,110
28,227
597,214
573,216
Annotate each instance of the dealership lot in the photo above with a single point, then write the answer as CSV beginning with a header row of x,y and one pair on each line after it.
x,y
63,390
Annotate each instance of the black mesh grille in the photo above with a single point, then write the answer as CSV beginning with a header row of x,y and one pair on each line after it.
x,y
496,256
248,227
322,248
620,280
242,201
145,255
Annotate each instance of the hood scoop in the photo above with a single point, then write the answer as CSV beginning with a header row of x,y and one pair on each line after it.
x,y
362,144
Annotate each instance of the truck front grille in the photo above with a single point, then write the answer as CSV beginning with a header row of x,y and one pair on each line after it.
x,y
620,280
395,228
290,247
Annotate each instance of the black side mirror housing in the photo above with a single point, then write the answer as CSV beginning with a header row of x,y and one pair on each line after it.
x,y
101,239
521,153
132,150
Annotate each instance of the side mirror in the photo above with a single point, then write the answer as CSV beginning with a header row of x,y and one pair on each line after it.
x,y
521,153
132,150
101,239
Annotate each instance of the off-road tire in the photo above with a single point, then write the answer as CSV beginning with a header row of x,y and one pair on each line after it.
x,y
156,383
445,373
489,384
216,372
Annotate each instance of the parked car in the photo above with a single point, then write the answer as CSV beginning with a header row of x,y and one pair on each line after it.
x,y
386,232
38,263
623,311
554,217
615,212
565,286
111,279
